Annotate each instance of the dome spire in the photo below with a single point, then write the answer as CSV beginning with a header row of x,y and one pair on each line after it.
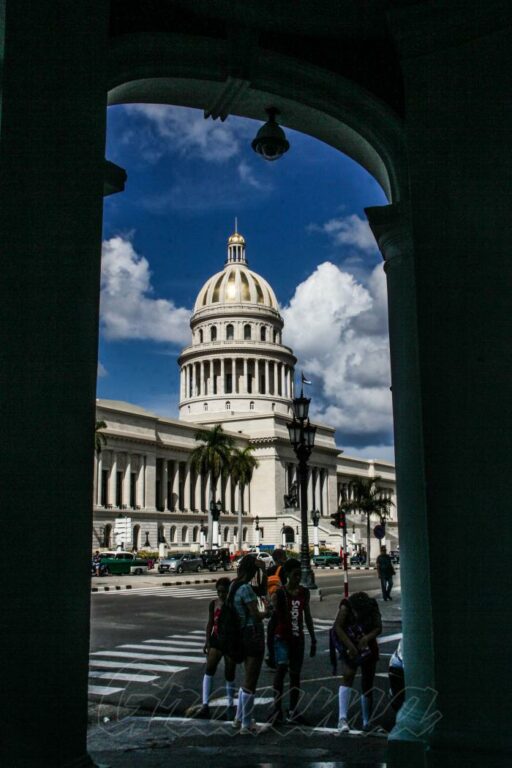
x,y
236,247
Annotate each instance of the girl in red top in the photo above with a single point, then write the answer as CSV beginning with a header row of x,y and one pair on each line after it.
x,y
291,605
214,653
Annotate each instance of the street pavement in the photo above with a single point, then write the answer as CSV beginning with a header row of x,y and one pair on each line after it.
x,y
146,667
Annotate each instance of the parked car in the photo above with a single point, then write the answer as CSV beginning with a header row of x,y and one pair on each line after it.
x,y
180,562
118,563
357,560
266,557
396,678
216,559
395,556
327,559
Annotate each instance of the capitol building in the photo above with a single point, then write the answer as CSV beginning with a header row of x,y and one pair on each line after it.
x,y
238,373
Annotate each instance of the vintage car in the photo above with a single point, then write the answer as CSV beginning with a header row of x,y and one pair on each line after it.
x,y
217,559
118,563
327,559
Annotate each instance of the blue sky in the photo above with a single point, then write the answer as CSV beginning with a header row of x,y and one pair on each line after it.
x,y
306,233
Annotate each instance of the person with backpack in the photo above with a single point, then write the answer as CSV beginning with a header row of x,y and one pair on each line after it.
x,y
354,637
214,652
244,601
291,610
275,579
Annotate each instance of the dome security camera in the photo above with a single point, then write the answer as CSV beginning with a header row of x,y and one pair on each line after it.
x,y
270,141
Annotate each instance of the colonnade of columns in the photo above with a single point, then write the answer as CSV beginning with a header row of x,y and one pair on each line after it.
x,y
318,495
120,479
247,375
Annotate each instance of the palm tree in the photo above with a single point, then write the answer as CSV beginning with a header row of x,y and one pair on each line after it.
x,y
212,457
99,438
367,499
242,467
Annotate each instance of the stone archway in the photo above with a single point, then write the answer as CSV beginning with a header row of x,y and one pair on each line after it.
x,y
288,535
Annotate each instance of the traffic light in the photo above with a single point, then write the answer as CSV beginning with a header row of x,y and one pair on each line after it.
x,y
336,519
343,520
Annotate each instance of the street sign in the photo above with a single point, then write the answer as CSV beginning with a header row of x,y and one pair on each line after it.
x,y
379,531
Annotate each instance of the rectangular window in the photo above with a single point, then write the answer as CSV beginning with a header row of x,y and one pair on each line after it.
x,y
262,385
229,383
249,383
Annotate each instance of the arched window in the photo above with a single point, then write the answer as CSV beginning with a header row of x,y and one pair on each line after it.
x,y
226,534
195,533
213,333
201,337
228,405
276,337
273,406
247,331
161,534
244,534
263,333
184,534
172,534
107,536
205,406
230,332
251,405
289,535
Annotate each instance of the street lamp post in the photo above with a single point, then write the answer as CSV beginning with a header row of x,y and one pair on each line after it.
x,y
302,438
257,527
215,510
146,543
315,516
202,536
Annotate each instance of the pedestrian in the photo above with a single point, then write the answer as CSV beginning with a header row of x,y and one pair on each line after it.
x,y
275,579
245,602
214,653
357,626
385,572
291,610
96,563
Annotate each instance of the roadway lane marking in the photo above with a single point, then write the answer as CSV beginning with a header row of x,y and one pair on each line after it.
x,y
102,690
192,643
162,668
223,701
175,648
179,592
389,638
115,677
188,637
150,656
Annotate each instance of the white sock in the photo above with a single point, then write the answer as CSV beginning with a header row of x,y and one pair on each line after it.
x,y
239,706
230,690
343,701
365,708
247,708
207,688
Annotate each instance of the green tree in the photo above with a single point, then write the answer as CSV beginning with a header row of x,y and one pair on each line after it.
x,y
242,467
212,457
99,438
366,497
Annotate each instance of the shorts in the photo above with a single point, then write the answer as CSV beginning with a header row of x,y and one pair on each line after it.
x,y
213,642
289,653
253,641
359,661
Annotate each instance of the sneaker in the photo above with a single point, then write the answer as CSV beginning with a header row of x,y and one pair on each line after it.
x,y
204,713
237,724
343,726
251,730
294,718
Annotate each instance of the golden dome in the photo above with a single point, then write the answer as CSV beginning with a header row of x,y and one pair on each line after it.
x,y
236,239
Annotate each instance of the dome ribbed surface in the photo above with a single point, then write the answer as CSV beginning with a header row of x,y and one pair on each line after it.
x,y
236,284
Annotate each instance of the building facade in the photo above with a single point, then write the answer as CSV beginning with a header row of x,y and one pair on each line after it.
x,y
237,373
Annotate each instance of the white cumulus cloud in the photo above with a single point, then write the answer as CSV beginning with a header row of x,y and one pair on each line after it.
x,y
181,130
337,327
348,231
102,371
128,308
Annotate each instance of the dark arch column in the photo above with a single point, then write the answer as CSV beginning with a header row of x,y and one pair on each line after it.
x,y
391,227
52,138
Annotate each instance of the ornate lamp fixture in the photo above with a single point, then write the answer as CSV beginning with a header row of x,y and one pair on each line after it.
x,y
270,141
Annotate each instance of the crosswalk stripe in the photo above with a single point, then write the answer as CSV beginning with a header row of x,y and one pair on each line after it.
x,y
389,638
185,637
150,656
196,594
223,701
162,668
182,643
116,677
328,622
103,690
176,648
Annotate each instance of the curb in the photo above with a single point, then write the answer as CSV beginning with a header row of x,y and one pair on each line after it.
x,y
120,587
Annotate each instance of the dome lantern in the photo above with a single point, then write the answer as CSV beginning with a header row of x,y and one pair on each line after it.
x,y
236,248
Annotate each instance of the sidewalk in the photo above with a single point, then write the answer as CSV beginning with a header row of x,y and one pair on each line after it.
x,y
154,742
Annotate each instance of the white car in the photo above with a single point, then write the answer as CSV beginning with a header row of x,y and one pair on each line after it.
x,y
265,556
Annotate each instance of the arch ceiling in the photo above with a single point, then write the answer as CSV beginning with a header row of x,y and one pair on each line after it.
x,y
216,54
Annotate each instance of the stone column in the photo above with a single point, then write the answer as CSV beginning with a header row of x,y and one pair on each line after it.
x,y
257,376
283,380
228,495
276,390
234,385
194,382
140,490
99,478
127,479
54,84
112,480
310,491
186,492
163,484
267,378
222,388
245,388
150,481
